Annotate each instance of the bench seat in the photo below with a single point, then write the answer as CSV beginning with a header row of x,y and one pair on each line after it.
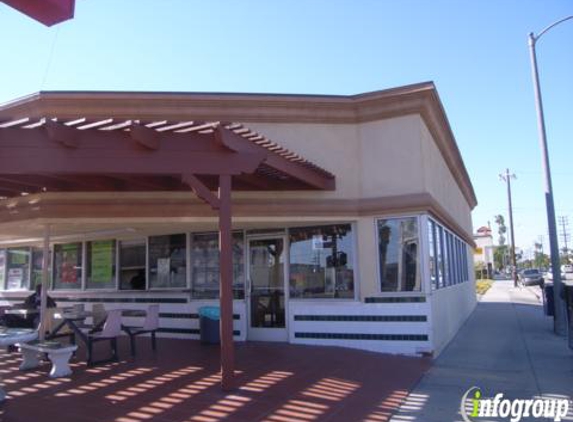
x,y
58,354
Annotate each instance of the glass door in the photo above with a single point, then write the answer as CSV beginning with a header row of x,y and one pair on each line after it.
x,y
266,293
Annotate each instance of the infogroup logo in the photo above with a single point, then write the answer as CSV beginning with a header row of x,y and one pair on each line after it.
x,y
514,410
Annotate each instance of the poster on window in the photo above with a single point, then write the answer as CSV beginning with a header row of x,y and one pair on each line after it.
x,y
15,278
102,260
70,255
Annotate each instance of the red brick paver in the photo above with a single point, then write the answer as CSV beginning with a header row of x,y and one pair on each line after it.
x,y
180,383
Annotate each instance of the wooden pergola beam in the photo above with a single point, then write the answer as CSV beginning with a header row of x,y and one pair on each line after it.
x,y
201,190
290,168
32,151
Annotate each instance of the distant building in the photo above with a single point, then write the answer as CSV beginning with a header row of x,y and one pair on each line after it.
x,y
483,253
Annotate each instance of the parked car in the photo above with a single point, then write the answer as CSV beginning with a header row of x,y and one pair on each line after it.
x,y
531,277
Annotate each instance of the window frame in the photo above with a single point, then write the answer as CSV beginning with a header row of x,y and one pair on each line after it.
x,y
26,286
191,267
419,264
458,258
148,286
118,263
355,272
83,267
115,287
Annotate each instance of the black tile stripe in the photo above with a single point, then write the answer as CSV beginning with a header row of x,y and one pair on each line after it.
x,y
362,318
103,300
353,336
188,316
121,299
173,315
188,331
405,299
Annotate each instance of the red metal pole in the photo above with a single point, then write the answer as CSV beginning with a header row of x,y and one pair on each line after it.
x,y
226,283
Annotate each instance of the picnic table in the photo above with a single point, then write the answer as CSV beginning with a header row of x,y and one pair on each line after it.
x,y
74,319
11,336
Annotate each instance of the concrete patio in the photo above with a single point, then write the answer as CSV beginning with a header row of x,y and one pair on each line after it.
x,y
181,382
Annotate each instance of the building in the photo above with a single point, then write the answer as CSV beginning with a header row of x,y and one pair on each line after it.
x,y
483,253
350,214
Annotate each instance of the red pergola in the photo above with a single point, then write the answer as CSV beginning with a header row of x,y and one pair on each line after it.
x,y
78,155
48,12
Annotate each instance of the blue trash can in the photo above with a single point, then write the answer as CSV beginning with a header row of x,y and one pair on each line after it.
x,y
548,300
209,317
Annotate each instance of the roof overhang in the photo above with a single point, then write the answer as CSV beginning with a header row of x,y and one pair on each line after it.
x,y
421,99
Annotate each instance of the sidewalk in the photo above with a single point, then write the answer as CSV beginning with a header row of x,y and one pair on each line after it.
x,y
506,346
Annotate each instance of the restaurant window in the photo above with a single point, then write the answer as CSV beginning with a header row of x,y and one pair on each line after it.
x,y
433,256
2,268
321,262
37,262
167,261
451,261
463,260
68,266
459,260
132,274
440,255
100,264
398,254
17,268
205,266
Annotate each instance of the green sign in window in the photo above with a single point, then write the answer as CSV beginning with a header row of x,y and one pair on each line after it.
x,y
102,261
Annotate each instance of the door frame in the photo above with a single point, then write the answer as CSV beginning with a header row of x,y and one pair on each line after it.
x,y
267,334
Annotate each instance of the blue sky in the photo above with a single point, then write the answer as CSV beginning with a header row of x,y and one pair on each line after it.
x,y
475,51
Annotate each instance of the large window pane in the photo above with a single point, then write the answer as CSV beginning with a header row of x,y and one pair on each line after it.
x,y
68,266
321,262
440,255
100,264
398,254
465,262
452,257
2,267
17,268
433,255
132,275
37,263
205,266
167,261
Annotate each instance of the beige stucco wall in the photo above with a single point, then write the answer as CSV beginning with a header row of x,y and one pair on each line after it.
x,y
334,147
440,183
390,157
370,160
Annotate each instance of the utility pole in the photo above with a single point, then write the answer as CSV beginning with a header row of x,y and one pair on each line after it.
x,y
507,179
564,222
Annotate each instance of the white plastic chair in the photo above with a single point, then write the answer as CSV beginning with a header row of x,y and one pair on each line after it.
x,y
150,326
111,331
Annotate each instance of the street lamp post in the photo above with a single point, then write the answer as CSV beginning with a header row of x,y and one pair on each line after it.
x,y
560,325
